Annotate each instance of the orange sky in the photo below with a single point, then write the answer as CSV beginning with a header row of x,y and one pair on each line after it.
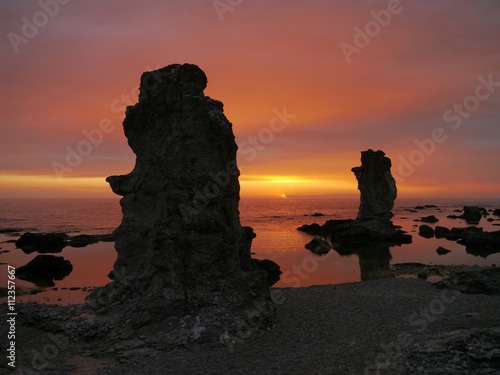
x,y
83,67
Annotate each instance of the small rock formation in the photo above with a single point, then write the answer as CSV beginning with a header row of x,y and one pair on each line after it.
x,y
425,231
55,242
442,251
184,272
82,240
377,186
42,243
472,214
373,222
457,233
496,212
318,246
428,219
44,269
441,232
476,241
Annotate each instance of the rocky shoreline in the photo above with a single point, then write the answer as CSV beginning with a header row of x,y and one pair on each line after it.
x,y
355,328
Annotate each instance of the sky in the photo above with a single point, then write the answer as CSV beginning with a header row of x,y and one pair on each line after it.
x,y
306,85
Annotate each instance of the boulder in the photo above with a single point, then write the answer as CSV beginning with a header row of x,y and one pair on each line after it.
x,y
44,269
496,212
376,185
42,242
441,232
82,240
456,233
442,251
319,246
428,219
426,231
183,257
472,214
314,228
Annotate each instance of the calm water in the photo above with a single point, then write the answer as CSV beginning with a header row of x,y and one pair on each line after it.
x,y
274,220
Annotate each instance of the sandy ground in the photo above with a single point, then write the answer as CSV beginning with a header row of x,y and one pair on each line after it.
x,y
335,329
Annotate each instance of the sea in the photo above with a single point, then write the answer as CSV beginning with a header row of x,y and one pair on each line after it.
x,y
275,221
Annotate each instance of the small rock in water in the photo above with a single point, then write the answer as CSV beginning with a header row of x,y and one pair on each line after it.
x,y
442,251
41,243
44,269
428,219
318,246
426,231
441,232
82,240
317,214
472,214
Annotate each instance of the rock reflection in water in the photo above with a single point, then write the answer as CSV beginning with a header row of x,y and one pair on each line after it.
x,y
374,259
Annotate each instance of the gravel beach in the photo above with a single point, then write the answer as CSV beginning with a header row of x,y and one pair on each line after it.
x,y
338,329
353,328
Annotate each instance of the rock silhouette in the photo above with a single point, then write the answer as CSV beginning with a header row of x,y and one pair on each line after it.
x,y
184,259
425,231
42,243
373,222
377,186
44,269
472,214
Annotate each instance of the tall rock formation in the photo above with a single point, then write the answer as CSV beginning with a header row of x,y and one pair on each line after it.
x,y
183,255
377,186
373,222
